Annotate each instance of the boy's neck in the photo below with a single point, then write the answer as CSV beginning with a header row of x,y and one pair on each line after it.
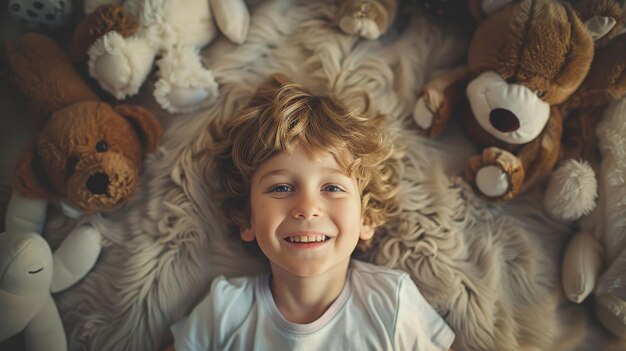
x,y
303,300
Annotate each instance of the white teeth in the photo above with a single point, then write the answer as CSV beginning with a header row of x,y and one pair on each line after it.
x,y
307,238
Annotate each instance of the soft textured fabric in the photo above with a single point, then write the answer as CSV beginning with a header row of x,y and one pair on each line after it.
x,y
377,309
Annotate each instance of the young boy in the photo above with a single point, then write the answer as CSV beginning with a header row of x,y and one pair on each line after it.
x,y
307,180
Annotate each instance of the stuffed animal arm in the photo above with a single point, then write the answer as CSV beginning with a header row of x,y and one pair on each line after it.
x,y
25,215
30,272
75,257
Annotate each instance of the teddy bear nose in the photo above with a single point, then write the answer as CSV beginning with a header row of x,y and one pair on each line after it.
x,y
504,120
98,183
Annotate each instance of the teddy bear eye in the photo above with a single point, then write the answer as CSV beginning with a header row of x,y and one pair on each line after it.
x,y
71,163
540,94
102,146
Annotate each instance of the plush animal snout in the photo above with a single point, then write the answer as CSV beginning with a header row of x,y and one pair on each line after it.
x,y
104,184
512,113
504,120
98,183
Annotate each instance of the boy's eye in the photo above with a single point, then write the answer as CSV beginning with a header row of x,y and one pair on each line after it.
x,y
333,188
281,188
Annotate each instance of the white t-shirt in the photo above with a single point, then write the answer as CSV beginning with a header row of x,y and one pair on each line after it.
x,y
377,309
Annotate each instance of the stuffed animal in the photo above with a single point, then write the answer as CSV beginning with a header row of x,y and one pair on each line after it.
x,y
595,258
41,14
29,273
366,18
525,61
87,154
175,33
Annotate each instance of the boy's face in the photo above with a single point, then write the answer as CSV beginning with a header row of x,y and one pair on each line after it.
x,y
306,214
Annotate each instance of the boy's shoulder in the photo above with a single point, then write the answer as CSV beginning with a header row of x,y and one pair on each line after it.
x,y
372,281
234,295
229,287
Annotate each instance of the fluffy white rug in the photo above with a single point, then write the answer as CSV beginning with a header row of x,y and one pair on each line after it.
x,y
491,271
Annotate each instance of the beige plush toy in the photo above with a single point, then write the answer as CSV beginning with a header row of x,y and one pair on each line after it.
x,y
595,259
526,62
174,32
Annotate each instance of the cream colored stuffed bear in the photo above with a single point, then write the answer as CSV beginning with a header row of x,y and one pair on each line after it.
x,y
175,32
595,259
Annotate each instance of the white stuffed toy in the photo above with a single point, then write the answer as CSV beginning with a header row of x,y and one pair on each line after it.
x,y
30,272
595,259
174,31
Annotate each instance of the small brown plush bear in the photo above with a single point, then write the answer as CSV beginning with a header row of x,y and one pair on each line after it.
x,y
525,67
367,18
88,153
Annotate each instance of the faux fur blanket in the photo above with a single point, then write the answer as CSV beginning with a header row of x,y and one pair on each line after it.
x,y
491,271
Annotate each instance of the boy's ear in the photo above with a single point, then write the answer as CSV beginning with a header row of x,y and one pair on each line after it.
x,y
367,232
246,234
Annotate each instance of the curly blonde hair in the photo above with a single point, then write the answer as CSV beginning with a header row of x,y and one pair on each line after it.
x,y
282,116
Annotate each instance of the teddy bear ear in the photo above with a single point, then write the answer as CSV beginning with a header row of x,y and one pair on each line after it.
x,y
30,178
603,19
102,20
145,124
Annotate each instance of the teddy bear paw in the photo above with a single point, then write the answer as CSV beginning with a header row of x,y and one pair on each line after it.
x,y
426,108
360,19
497,174
120,66
572,191
178,99
185,84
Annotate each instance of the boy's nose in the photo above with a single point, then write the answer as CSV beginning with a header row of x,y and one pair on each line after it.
x,y
306,207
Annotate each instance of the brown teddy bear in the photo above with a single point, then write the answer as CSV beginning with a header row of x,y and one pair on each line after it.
x,y
87,152
526,63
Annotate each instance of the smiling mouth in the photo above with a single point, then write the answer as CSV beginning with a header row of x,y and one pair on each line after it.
x,y
307,238
36,271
